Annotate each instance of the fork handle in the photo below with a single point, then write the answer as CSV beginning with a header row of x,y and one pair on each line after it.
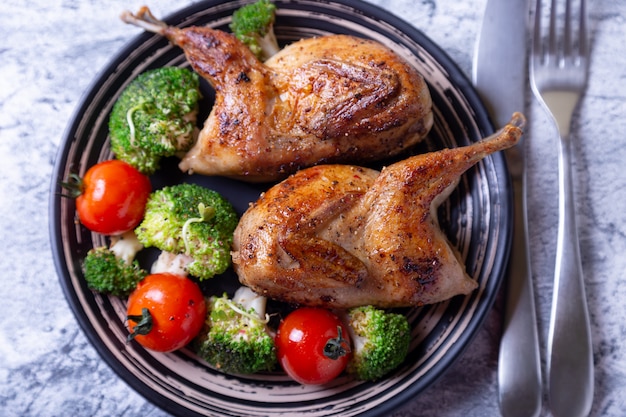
x,y
570,355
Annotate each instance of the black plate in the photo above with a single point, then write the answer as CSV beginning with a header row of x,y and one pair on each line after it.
x,y
476,218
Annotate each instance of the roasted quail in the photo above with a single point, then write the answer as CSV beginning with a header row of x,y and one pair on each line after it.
x,y
340,236
330,99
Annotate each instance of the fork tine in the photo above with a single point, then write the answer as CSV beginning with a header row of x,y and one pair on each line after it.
x,y
582,42
583,31
536,46
567,31
553,43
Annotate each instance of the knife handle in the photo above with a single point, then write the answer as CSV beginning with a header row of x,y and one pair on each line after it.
x,y
519,368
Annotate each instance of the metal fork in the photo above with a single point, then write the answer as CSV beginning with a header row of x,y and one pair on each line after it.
x,y
558,74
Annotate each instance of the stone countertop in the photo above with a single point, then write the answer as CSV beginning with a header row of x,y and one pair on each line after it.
x,y
49,53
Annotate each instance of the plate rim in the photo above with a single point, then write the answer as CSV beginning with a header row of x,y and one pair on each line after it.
x,y
458,79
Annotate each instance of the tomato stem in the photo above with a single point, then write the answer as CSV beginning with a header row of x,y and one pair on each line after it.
x,y
143,326
337,347
74,185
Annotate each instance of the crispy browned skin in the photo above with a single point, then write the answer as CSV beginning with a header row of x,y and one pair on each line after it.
x,y
340,236
320,100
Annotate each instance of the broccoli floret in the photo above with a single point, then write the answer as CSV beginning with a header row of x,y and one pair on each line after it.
x,y
238,340
191,220
155,117
253,24
114,270
380,341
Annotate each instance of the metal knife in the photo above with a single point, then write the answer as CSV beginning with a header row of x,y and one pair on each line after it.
x,y
499,75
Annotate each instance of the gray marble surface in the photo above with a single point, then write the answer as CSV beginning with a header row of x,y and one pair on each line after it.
x,y
49,53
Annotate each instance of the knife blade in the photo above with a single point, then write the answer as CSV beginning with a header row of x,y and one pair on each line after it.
x,y
499,75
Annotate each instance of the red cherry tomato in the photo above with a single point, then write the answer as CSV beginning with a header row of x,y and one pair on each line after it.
x,y
165,312
112,197
313,345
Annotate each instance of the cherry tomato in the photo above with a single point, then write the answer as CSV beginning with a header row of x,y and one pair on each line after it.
x,y
111,197
165,312
313,345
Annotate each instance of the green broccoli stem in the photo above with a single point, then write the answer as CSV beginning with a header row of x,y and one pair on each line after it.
x,y
206,214
337,347
131,124
143,326
233,306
